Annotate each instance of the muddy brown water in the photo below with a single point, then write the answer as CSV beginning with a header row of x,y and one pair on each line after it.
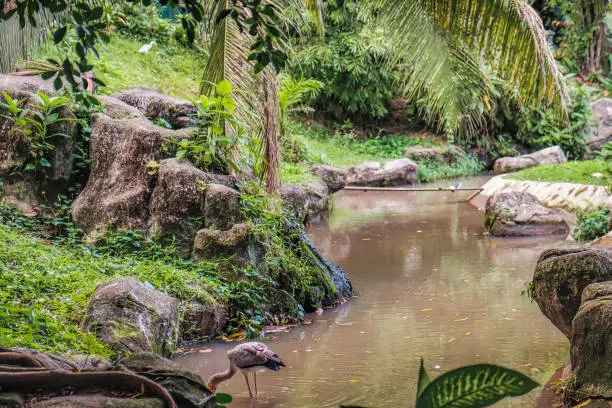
x,y
430,284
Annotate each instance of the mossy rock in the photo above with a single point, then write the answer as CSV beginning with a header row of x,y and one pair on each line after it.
x,y
560,277
591,350
99,401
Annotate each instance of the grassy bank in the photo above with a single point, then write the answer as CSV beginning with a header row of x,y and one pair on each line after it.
x,y
317,144
595,172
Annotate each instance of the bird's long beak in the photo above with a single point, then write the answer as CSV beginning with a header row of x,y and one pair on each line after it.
x,y
211,387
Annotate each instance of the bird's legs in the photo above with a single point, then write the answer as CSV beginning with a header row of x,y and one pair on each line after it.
x,y
248,385
255,378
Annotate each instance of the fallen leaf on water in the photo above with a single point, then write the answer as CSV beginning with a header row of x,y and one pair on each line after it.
x,y
307,321
451,340
321,321
205,351
345,324
535,370
366,239
317,339
462,320
311,396
353,381
504,313
419,231
468,333
426,310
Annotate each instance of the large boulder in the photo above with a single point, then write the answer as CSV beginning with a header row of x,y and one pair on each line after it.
x,y
447,154
294,197
550,155
98,401
602,116
221,207
518,214
334,177
177,203
117,109
154,104
560,277
119,188
15,146
317,199
132,317
375,174
211,244
591,349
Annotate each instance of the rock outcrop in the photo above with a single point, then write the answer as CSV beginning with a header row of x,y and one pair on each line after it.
x,y
211,244
560,277
591,342
221,207
153,104
602,116
374,174
550,155
26,185
202,320
446,154
132,317
334,177
294,197
522,215
119,188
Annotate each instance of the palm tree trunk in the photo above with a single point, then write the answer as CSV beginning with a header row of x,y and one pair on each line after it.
x,y
593,62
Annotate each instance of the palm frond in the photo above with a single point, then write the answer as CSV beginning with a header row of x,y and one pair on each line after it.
x,y
444,44
258,103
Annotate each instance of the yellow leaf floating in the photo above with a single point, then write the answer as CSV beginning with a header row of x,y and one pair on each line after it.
x,y
426,310
451,340
468,333
366,239
462,320
353,381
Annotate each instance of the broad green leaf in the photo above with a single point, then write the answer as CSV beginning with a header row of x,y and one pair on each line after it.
x,y
223,398
224,88
423,380
473,387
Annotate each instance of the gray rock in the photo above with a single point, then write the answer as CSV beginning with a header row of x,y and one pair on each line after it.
x,y
131,317
601,132
375,174
517,214
295,200
221,207
550,155
119,110
317,199
334,177
15,147
591,342
212,244
119,188
153,104
202,321
560,277
446,154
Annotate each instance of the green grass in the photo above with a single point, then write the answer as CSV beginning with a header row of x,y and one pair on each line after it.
x,y
173,70
44,290
580,172
318,144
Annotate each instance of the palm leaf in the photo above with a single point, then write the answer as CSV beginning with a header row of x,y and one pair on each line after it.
x,y
447,45
473,387
259,108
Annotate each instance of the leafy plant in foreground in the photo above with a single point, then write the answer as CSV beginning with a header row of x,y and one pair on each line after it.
x,y
38,124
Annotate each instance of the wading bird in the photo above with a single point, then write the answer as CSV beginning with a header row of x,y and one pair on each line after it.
x,y
146,48
247,358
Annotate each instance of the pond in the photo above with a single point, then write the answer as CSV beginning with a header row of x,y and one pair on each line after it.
x,y
430,283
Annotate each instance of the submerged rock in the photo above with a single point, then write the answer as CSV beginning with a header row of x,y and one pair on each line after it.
x,y
334,177
560,277
119,188
518,214
132,317
375,174
550,155
591,342
154,104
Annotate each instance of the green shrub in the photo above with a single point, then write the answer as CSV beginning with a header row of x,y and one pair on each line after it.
x,y
352,62
592,224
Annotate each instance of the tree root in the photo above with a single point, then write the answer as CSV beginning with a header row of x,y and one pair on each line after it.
x,y
21,372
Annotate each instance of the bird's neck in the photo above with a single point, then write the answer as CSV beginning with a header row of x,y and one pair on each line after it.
x,y
222,376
